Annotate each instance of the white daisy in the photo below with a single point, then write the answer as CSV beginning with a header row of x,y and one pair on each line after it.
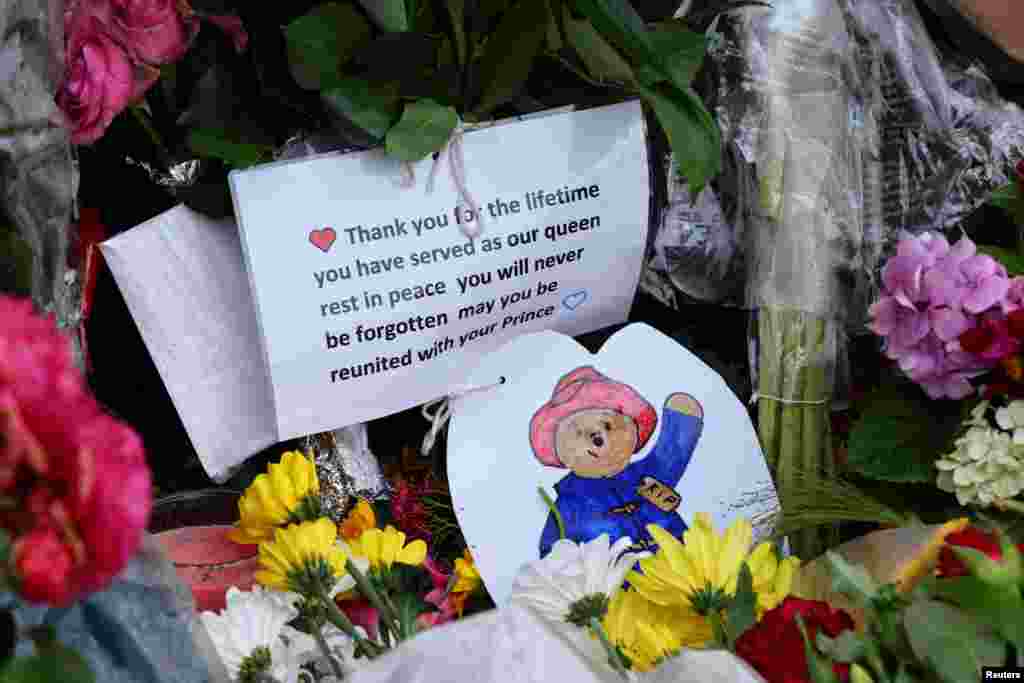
x,y
247,634
575,582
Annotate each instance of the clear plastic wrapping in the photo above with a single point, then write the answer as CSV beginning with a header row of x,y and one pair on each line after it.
x,y
914,140
39,175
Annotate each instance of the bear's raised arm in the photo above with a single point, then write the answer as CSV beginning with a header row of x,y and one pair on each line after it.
x,y
680,432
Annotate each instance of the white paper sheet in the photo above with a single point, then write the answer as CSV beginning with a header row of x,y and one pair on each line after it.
x,y
183,279
323,236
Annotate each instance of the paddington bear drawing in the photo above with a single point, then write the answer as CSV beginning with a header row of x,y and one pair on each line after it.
x,y
593,425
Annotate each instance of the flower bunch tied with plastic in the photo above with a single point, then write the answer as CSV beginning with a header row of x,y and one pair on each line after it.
x,y
329,595
953,609
75,490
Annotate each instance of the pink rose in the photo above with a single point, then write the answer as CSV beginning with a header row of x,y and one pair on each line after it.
x,y
99,81
153,31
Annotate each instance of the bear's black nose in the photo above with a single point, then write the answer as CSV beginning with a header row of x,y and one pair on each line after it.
x,y
597,440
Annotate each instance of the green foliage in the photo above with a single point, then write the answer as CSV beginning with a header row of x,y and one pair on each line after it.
x,y
601,59
472,59
222,144
510,51
741,613
320,41
390,15
999,606
53,664
949,643
354,99
1011,260
818,667
1010,199
425,126
900,435
847,647
852,580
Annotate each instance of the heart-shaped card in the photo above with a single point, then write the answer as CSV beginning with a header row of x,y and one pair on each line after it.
x,y
642,432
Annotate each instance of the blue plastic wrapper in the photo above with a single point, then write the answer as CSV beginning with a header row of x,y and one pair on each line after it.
x,y
142,629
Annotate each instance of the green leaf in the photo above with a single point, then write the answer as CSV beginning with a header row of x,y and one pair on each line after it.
x,y
1001,607
680,50
820,670
851,580
457,16
847,647
390,15
742,611
1011,260
950,644
510,51
692,133
357,101
220,143
57,664
601,59
899,437
424,128
320,41
1006,196
619,23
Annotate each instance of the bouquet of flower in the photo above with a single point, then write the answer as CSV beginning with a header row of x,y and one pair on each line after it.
x,y
75,490
953,606
329,594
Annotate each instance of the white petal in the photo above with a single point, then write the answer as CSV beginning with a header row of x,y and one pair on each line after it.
x,y
1004,419
1016,410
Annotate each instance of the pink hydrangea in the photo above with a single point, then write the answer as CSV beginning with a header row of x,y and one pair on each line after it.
x,y
932,293
78,477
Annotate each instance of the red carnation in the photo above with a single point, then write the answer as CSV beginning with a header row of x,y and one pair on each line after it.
x,y
950,565
775,648
77,478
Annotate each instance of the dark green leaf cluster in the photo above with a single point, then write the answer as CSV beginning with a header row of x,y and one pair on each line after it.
x,y
405,73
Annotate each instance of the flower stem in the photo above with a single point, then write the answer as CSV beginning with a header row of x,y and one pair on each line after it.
x,y
551,506
389,616
1006,505
318,634
143,119
368,647
613,655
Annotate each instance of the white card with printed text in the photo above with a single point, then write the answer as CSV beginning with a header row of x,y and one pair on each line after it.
x,y
370,298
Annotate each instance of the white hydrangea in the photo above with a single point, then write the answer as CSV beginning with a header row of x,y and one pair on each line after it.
x,y
988,463
1011,418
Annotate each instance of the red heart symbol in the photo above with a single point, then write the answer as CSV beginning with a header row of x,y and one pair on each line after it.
x,y
323,239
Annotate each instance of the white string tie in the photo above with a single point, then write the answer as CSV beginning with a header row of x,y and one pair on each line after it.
x,y
440,417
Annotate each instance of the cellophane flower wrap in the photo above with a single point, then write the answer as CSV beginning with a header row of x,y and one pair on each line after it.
x,y
74,481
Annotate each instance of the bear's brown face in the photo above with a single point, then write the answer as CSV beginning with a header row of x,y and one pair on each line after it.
x,y
596,443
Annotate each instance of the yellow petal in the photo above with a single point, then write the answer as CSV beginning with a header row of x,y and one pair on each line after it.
x,y
391,543
735,547
272,580
413,554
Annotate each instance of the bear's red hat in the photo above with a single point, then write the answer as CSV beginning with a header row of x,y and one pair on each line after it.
x,y
582,389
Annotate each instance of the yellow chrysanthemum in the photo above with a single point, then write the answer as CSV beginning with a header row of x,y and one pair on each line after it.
x,y
361,518
697,572
287,493
303,558
384,548
773,579
648,633
467,576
